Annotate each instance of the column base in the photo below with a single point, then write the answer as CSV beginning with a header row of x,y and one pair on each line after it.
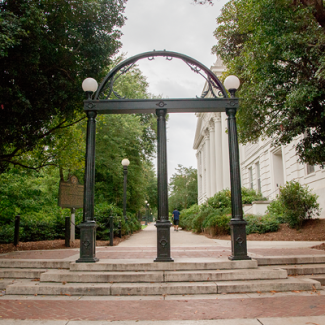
x,y
163,241
238,240
87,242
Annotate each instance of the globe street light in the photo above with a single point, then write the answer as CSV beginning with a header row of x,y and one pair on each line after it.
x,y
232,83
125,163
237,222
89,85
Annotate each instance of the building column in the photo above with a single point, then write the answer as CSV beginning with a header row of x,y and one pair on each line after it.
x,y
203,171
198,174
207,163
218,153
212,159
225,153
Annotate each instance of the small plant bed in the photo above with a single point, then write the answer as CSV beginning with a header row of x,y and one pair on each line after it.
x,y
52,244
312,230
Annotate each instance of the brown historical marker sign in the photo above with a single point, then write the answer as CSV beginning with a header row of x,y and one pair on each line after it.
x,y
71,193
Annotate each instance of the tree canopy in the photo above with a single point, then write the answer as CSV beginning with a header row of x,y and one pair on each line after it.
x,y
46,49
183,188
277,49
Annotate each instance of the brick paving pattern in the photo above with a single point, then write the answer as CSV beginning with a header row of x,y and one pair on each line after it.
x,y
286,251
45,254
151,252
313,305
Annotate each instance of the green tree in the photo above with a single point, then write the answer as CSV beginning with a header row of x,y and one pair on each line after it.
x,y
46,49
27,192
118,137
277,49
131,136
183,188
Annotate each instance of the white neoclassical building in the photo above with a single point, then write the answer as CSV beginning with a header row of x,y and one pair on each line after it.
x,y
263,167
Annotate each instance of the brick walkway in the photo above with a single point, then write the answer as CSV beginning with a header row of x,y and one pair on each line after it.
x,y
151,252
191,308
285,306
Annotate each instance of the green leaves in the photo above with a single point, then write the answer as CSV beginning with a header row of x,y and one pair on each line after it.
x,y
277,49
183,188
47,49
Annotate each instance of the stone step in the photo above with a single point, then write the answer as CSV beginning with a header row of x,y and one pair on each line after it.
x,y
165,266
304,269
284,260
175,288
163,276
290,284
21,273
317,277
101,277
34,264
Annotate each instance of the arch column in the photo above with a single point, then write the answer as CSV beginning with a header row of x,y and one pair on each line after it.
x,y
88,226
163,224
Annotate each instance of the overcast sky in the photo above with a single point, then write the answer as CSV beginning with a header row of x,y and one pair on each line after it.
x,y
179,26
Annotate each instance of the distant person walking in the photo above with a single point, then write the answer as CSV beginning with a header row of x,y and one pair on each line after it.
x,y
176,214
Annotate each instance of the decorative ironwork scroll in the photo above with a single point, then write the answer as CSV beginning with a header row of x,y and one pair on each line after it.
x,y
106,89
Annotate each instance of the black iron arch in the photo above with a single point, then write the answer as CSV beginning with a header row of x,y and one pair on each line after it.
x,y
219,102
106,88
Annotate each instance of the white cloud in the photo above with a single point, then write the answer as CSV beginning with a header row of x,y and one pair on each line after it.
x,y
179,26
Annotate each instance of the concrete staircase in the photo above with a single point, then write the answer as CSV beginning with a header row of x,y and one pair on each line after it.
x,y
145,277
311,267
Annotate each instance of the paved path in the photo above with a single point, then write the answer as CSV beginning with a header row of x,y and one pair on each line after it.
x,y
246,309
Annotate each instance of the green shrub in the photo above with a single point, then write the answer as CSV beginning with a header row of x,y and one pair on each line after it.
x,y
187,216
219,223
276,210
197,222
299,203
261,224
215,214
249,195
7,234
37,227
221,200
103,211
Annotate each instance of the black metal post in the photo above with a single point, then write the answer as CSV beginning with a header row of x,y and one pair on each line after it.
x,y
67,231
88,226
111,231
120,229
237,222
16,234
146,214
163,224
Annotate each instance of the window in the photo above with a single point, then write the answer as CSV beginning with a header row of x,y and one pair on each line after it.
x,y
310,169
258,177
250,177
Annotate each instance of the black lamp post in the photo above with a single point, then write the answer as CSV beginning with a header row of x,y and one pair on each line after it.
x,y
147,206
88,225
125,163
237,222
